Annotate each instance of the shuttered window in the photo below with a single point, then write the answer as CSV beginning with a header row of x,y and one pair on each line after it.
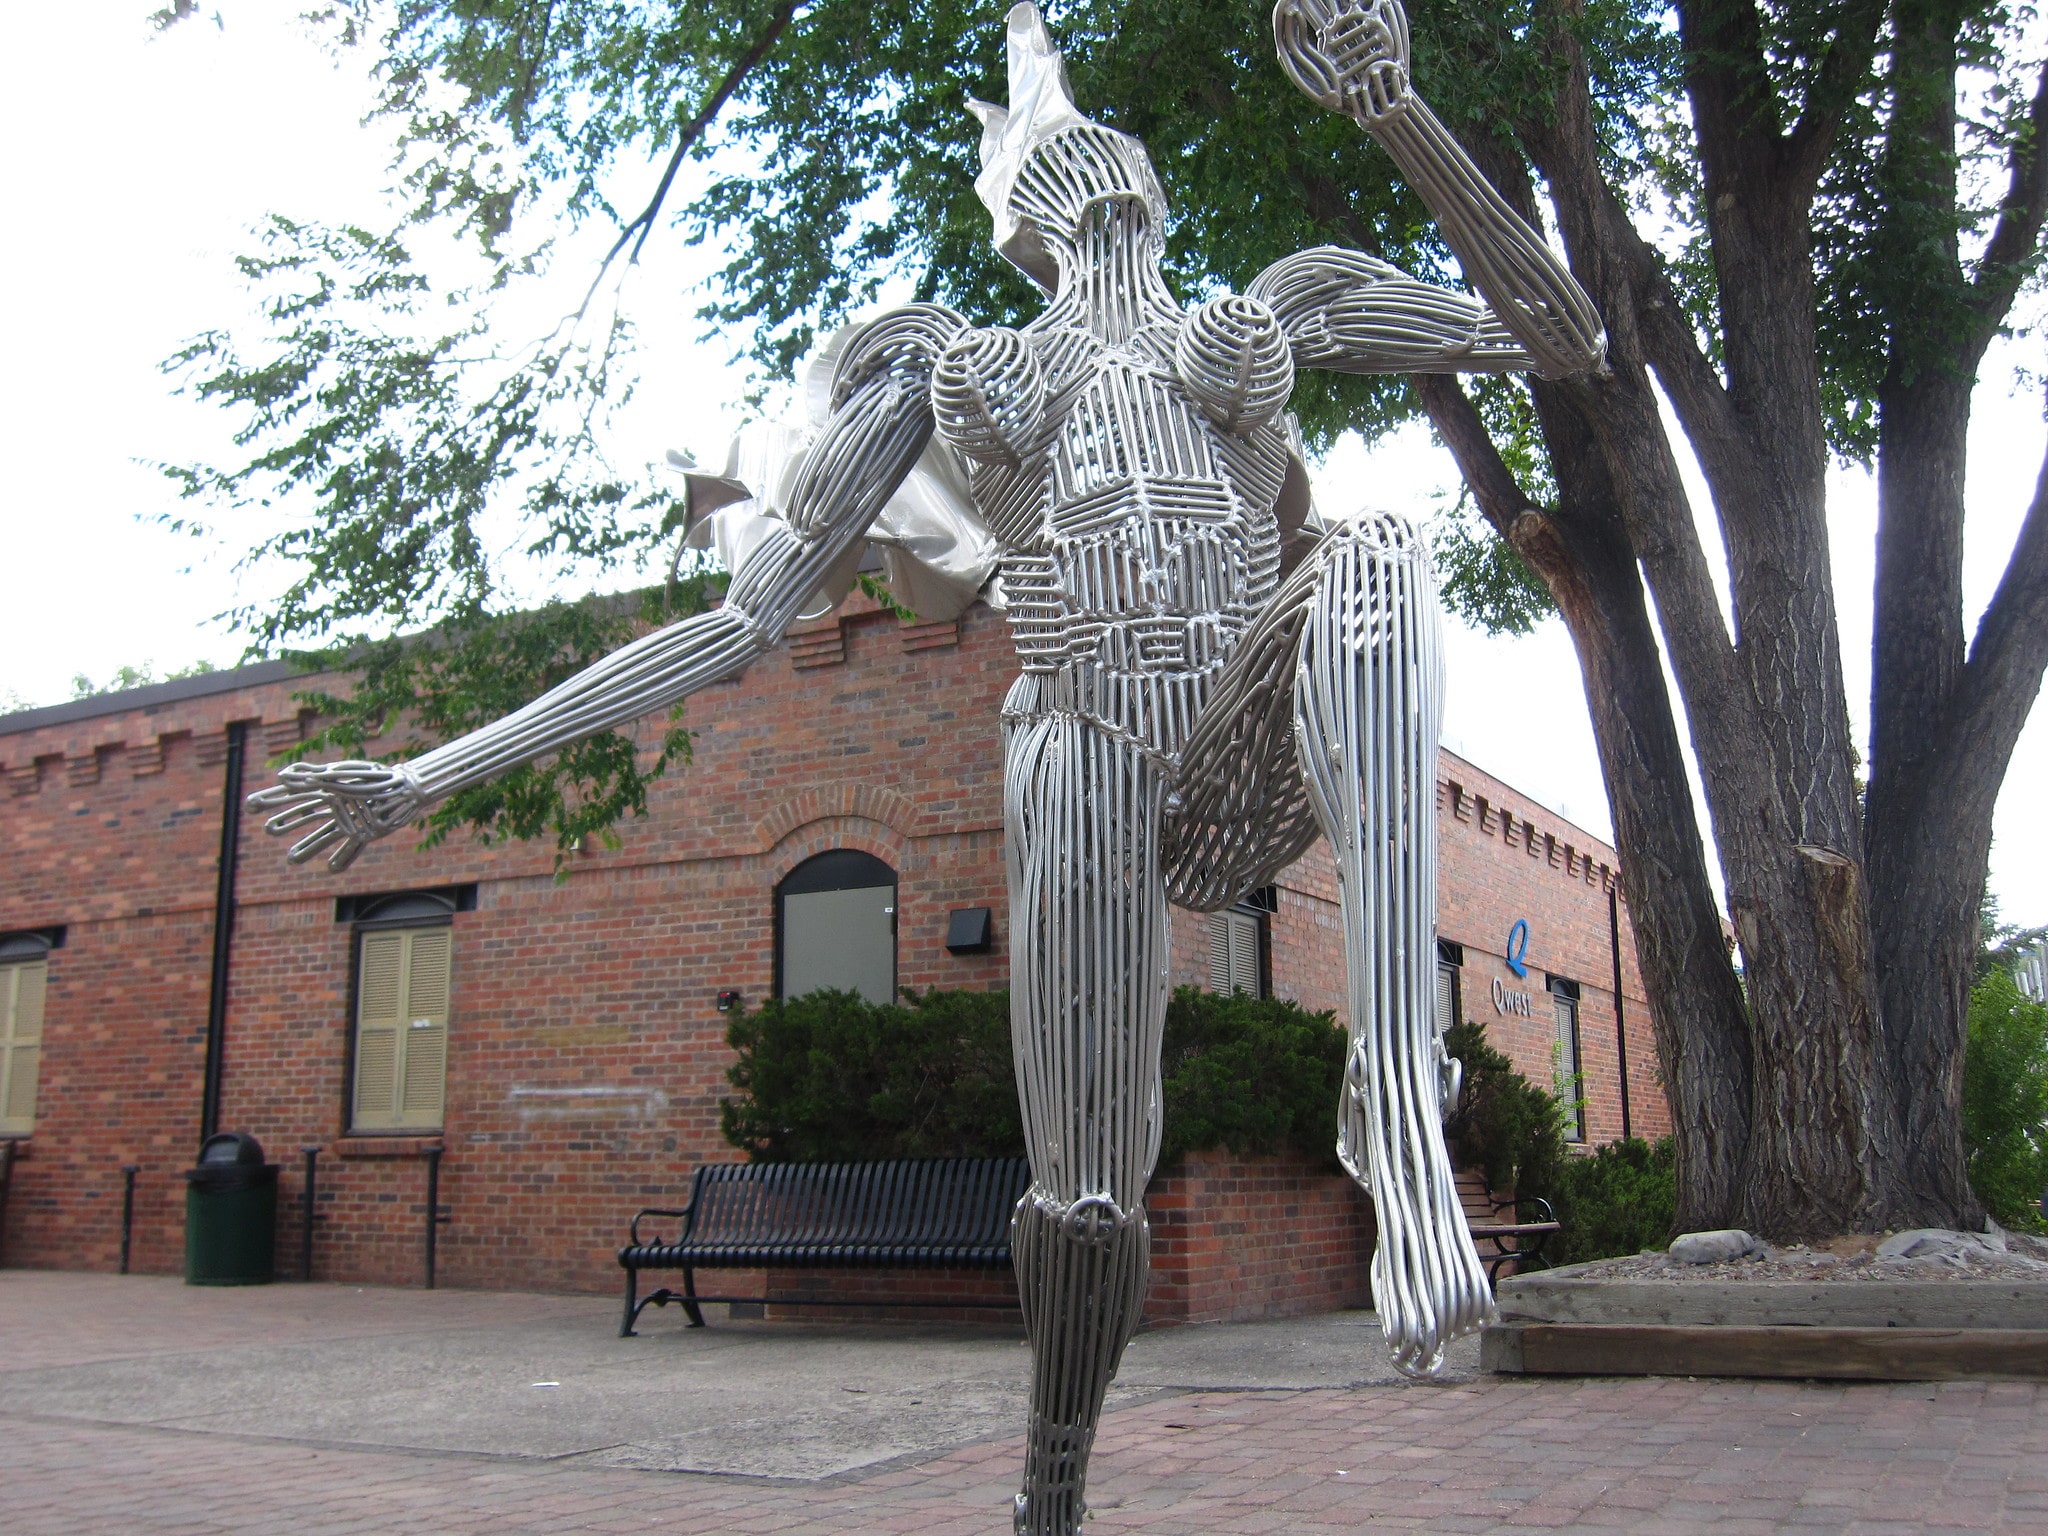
x,y
21,1043
401,1029
1234,952
1564,1003
1446,998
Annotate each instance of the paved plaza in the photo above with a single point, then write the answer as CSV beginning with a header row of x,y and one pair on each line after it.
x,y
141,1405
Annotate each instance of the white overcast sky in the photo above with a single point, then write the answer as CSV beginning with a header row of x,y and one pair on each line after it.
x,y
138,165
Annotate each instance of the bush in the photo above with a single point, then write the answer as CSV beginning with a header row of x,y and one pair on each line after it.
x,y
831,1076
2005,1100
1615,1201
1252,1074
1504,1125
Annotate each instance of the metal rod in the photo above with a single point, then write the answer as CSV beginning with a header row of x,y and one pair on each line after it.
x,y
1620,1025
434,1217
128,1172
312,1211
6,1180
223,927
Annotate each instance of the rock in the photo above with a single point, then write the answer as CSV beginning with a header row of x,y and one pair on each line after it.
x,y
1935,1243
1714,1247
2026,1246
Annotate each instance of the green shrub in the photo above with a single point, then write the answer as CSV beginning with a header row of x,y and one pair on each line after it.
x,y
1251,1074
1615,1201
2005,1100
832,1076
1504,1125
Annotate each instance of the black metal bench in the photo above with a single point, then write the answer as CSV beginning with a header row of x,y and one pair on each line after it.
x,y
925,1213
1518,1241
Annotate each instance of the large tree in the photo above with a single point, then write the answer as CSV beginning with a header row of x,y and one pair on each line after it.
x,y
1804,222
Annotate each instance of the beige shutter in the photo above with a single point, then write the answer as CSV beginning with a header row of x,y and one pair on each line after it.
x,y
380,994
1244,954
425,1035
1234,953
1446,998
402,1029
21,1043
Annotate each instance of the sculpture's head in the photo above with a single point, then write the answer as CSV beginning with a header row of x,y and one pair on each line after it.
x,y
1048,172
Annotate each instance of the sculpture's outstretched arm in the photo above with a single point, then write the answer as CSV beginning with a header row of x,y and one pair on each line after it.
x,y
1351,56
1345,310
881,420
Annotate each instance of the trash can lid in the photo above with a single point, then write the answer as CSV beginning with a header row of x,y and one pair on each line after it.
x,y
230,1147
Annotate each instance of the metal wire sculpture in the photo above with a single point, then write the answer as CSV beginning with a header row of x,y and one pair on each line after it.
x,y
1211,676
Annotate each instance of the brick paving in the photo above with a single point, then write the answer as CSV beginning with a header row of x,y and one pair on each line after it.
x,y
1660,1457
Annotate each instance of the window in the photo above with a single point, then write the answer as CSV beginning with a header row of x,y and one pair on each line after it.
x,y
1450,1001
835,926
1234,952
401,1025
1240,945
1564,1003
24,974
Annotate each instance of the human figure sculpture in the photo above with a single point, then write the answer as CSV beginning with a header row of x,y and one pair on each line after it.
x,y
1211,678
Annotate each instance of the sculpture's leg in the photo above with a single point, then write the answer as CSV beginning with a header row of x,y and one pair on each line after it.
x,y
1088,1005
1368,706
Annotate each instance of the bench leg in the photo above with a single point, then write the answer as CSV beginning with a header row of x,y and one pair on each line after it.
x,y
689,1298
632,1312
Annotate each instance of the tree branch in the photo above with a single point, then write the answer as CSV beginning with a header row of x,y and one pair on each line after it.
x,y
1500,496
2014,240
1835,86
692,131
2010,651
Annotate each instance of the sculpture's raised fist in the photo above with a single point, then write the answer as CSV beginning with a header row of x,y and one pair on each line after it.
x,y
347,806
1348,55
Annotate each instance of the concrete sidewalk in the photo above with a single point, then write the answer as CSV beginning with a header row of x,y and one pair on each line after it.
x,y
141,1405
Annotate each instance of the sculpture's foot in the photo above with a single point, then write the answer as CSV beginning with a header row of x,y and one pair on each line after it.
x,y
1055,1471
1081,1271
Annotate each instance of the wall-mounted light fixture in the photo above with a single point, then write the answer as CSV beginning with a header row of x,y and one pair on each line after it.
x,y
727,1001
970,930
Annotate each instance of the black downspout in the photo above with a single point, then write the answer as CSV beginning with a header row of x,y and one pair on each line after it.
x,y
223,926
1620,1028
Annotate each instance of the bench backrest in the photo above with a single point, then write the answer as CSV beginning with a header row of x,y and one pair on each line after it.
x,y
912,1203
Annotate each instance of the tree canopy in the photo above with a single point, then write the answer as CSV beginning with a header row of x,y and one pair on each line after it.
x,y
1804,221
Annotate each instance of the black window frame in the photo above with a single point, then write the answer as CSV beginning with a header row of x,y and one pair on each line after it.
x,y
841,869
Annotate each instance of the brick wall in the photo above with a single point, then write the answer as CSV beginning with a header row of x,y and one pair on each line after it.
x,y
586,1054
1241,1238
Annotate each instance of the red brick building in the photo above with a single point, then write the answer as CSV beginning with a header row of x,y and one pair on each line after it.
x,y
558,1032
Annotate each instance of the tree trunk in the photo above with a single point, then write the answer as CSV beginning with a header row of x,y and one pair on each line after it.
x,y
1767,706
1581,551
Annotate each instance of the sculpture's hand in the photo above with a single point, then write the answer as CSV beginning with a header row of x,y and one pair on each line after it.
x,y
347,805
1350,56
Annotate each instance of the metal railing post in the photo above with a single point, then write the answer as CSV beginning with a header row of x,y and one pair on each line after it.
x,y
312,1211
435,1218
128,1172
6,1179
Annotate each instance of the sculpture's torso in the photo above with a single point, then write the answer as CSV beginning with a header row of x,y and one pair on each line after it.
x,y
1140,539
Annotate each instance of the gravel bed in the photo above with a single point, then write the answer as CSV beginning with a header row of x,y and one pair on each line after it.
x,y
1843,1259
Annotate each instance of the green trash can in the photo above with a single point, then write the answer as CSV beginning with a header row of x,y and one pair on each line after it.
x,y
230,1213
